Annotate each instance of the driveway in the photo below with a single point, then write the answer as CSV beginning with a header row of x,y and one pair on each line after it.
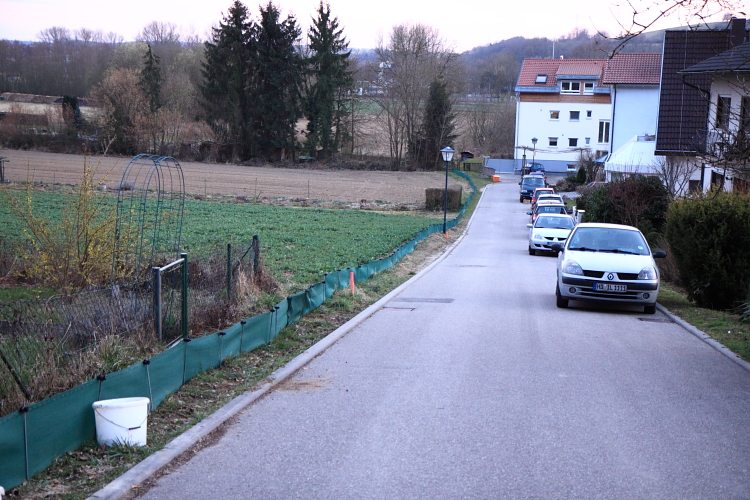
x,y
472,384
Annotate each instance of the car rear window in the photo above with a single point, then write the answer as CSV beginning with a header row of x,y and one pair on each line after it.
x,y
533,181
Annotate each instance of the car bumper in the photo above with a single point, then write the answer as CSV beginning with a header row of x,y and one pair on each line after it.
x,y
639,292
545,244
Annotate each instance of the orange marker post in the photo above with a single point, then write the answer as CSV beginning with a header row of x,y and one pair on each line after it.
x,y
351,281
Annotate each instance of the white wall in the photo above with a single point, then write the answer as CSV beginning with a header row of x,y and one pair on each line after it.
x,y
636,112
533,120
734,87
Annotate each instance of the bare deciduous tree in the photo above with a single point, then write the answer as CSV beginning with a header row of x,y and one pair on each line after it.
x,y
489,126
414,56
675,173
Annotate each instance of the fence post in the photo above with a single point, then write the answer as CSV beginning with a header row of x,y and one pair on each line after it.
x,y
156,272
184,295
256,255
229,272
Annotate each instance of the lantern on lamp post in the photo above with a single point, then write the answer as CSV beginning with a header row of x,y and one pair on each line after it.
x,y
447,153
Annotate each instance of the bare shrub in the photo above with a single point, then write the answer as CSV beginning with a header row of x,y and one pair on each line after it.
x,y
75,251
434,198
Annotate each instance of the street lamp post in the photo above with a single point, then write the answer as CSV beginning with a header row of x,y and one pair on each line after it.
x,y
533,155
447,153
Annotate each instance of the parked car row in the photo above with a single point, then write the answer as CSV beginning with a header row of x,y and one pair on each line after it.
x,y
595,262
549,220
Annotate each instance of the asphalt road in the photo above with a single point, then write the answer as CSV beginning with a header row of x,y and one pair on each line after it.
x,y
472,384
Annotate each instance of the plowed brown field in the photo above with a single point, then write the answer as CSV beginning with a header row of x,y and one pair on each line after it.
x,y
234,180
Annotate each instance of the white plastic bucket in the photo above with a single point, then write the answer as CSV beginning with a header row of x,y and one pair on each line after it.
x,y
121,421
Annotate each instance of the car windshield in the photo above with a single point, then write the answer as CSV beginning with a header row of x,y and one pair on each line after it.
x,y
605,239
554,222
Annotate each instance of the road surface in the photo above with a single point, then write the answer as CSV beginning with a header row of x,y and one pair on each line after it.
x,y
472,384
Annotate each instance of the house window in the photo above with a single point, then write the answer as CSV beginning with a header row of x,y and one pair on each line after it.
x,y
570,88
588,88
588,140
723,106
541,78
603,131
553,142
572,142
574,116
588,113
554,115
745,115
717,180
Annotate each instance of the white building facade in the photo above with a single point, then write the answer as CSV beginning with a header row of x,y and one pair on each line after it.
x,y
566,108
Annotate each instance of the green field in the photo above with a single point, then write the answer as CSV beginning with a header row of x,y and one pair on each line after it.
x,y
298,245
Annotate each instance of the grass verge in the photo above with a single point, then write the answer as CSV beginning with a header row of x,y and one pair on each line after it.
x,y
80,473
723,326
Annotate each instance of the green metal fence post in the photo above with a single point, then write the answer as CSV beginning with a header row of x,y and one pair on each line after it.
x,y
229,271
156,272
184,295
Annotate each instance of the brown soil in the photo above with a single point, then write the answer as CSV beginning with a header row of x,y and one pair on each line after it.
x,y
254,182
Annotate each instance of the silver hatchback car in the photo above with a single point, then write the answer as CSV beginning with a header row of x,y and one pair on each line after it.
x,y
607,262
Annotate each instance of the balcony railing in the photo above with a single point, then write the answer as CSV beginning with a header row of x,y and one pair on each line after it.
x,y
726,145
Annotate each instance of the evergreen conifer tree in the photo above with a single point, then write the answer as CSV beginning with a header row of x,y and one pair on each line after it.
x,y
276,86
438,126
151,79
331,83
227,73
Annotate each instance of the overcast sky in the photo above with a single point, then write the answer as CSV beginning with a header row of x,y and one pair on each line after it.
x,y
463,24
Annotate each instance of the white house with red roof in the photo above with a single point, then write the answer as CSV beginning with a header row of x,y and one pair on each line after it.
x,y
597,104
564,104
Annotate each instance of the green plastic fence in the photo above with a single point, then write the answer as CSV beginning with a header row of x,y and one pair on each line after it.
x,y
30,439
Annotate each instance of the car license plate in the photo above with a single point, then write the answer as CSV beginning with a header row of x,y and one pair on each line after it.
x,y
609,287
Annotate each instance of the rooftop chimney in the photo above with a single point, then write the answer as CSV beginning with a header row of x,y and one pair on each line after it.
x,y
737,32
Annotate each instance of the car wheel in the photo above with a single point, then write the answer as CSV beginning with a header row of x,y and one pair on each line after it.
x,y
649,309
521,198
561,302
532,251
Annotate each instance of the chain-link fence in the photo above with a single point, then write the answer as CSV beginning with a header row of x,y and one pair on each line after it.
x,y
50,345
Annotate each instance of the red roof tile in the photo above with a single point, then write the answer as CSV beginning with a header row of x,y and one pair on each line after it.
x,y
533,67
633,68
581,67
552,67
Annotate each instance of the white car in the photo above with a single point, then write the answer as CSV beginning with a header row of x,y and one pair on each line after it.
x,y
548,229
607,262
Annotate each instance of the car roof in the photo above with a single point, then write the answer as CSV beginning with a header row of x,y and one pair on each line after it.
x,y
548,201
607,226
557,215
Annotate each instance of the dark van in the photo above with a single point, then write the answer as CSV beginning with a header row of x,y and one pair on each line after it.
x,y
528,184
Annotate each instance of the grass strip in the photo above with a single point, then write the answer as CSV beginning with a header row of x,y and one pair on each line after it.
x,y
722,326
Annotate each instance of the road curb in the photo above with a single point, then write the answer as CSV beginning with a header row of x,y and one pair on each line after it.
x,y
705,337
142,471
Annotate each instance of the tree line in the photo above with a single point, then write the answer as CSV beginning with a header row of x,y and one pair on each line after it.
x,y
257,88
